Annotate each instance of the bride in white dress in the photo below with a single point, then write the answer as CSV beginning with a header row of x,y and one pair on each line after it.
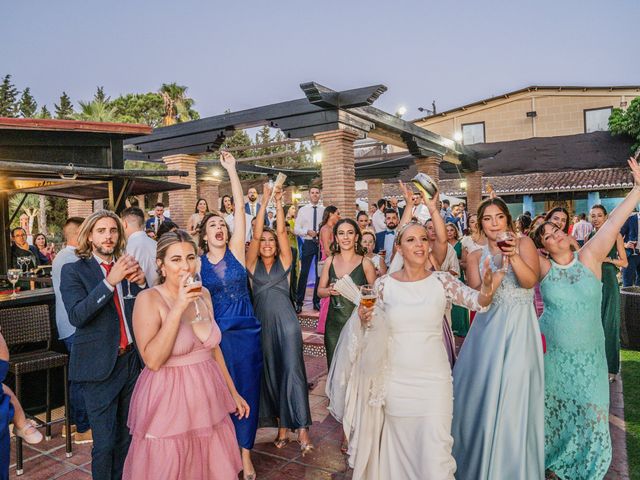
x,y
393,388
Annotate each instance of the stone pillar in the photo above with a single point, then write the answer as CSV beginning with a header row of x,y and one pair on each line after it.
x,y
338,170
474,190
79,208
141,204
430,166
182,202
375,190
287,196
593,198
210,191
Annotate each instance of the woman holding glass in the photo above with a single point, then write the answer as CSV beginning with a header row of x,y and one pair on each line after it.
x,y
179,413
347,258
330,217
225,276
284,397
399,401
498,379
202,208
45,250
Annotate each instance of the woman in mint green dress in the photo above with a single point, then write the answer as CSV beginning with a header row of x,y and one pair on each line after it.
x,y
577,440
610,311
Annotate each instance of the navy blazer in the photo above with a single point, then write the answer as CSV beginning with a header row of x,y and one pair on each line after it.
x,y
91,309
247,210
151,221
380,236
629,231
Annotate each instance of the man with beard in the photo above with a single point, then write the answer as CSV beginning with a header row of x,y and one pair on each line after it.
x,y
386,238
252,206
103,358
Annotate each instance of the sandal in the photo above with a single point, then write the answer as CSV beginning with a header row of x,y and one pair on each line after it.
x,y
29,433
281,442
305,448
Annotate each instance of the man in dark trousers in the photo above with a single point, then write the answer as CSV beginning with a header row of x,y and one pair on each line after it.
x,y
307,226
629,232
103,358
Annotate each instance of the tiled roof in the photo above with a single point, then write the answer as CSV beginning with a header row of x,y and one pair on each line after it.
x,y
534,183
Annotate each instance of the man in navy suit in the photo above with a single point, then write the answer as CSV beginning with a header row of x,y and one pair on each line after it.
x,y
252,206
158,218
103,358
629,232
386,239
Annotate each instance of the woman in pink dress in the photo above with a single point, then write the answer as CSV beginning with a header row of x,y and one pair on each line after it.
x,y
179,413
329,219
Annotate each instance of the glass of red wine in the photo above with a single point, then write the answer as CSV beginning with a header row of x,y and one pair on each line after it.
x,y
502,241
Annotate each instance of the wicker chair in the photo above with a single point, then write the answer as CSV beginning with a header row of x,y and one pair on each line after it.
x,y
31,324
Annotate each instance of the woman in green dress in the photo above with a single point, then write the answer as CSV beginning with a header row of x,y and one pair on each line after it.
x,y
347,258
576,390
459,315
616,259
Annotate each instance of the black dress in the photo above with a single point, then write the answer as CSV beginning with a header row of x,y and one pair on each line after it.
x,y
284,393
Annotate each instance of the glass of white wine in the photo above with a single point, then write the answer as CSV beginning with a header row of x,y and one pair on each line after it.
x,y
13,275
194,282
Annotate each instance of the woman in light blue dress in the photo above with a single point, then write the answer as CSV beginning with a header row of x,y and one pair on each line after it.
x,y
577,439
498,379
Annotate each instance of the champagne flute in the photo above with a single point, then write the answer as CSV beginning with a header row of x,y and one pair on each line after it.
x,y
13,275
20,261
338,303
501,241
194,282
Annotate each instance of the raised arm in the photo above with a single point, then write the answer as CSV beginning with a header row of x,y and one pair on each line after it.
x,y
281,231
595,250
407,193
254,246
439,247
236,242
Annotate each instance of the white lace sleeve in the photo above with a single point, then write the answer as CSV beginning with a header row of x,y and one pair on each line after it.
x,y
459,293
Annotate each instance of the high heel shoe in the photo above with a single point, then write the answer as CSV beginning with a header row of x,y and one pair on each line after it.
x,y
281,442
305,447
344,447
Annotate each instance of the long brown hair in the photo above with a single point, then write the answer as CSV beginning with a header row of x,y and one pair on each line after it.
x,y
168,239
498,202
202,228
335,246
85,247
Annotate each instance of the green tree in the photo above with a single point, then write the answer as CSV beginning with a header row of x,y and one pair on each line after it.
x,y
64,110
44,112
178,107
100,96
27,106
96,111
627,122
8,98
146,108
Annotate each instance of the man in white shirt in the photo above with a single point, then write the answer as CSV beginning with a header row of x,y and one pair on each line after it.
x,y
582,229
377,219
139,245
307,226
66,331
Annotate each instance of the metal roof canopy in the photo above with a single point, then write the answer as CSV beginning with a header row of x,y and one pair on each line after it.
x,y
321,110
68,158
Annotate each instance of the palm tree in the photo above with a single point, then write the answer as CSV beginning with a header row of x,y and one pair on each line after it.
x,y
177,106
96,111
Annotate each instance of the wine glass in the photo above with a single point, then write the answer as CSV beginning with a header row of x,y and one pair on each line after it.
x,y
194,282
501,240
20,261
13,275
368,296
338,303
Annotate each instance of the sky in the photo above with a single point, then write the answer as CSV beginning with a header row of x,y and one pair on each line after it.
x,y
242,54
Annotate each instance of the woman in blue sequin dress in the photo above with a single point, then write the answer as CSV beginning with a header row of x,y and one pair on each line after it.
x,y
498,379
225,276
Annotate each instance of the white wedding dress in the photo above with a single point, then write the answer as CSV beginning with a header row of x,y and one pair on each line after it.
x,y
393,387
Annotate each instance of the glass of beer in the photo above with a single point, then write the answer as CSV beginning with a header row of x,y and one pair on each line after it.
x,y
368,296
194,283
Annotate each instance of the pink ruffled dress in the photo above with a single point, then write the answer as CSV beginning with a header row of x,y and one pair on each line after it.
x,y
179,416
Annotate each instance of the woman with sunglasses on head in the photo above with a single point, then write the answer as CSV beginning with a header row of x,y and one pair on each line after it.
x,y
577,439
225,276
284,398
498,377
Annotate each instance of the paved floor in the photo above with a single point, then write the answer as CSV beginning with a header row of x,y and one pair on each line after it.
x,y
47,460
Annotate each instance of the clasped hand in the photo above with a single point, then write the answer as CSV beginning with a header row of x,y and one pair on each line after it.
x,y
126,267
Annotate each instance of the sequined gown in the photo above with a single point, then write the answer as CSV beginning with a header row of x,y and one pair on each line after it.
x,y
577,439
227,281
498,390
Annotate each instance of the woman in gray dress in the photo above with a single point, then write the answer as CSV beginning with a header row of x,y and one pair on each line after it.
x,y
284,396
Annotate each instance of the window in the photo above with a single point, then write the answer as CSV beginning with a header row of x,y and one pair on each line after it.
x,y
596,119
473,133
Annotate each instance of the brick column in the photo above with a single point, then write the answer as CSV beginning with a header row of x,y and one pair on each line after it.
x,y
79,208
210,191
287,196
141,204
375,190
474,190
338,170
430,166
182,202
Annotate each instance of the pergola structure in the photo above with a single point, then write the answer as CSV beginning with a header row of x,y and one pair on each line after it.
x,y
334,119
80,161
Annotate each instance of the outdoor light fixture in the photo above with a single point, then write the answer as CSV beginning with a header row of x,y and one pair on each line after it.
x,y
401,111
463,184
317,157
457,136
215,172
